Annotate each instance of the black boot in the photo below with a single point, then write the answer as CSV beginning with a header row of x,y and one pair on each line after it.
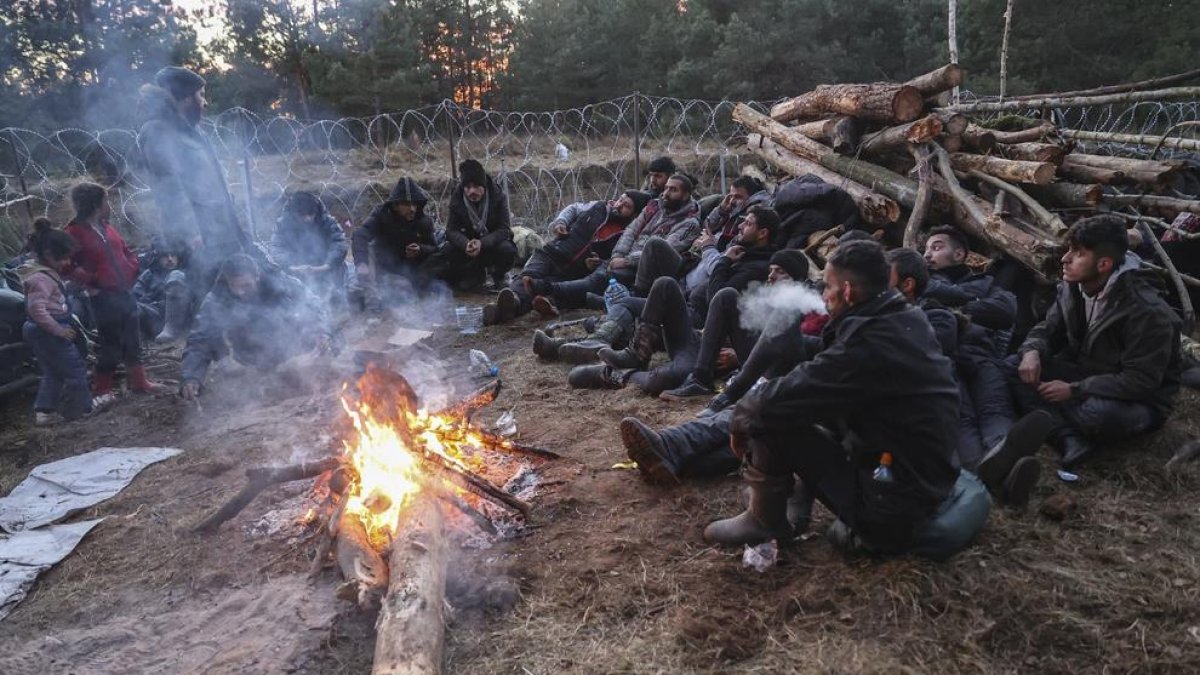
x,y
1019,484
607,333
597,376
503,310
766,518
546,346
644,446
1075,450
716,405
645,341
1023,440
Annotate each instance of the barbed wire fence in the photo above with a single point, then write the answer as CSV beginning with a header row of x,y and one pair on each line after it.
x,y
545,160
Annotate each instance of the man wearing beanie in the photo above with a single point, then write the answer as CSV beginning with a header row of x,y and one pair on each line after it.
x,y
185,177
657,173
579,239
478,236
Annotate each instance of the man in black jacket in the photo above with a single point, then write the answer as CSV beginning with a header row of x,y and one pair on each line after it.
x,y
478,234
1105,361
808,204
880,388
400,236
310,245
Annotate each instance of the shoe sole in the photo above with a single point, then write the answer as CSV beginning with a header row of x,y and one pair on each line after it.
x,y
640,449
542,306
1023,440
507,304
1021,482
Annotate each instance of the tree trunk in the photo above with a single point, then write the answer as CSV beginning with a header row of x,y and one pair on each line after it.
x,y
874,207
884,103
1171,204
1071,195
1038,173
1173,93
953,123
839,133
1156,83
896,138
1133,139
1034,152
410,631
933,83
978,139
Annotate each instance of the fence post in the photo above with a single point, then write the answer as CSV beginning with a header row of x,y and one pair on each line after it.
x,y
249,194
724,154
637,139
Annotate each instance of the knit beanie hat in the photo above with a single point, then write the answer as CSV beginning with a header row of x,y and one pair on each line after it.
x,y
793,262
640,199
180,82
470,172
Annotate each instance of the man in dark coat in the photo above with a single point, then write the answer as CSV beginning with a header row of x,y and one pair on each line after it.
x,y
1105,361
262,317
310,244
400,237
185,177
478,235
658,171
808,204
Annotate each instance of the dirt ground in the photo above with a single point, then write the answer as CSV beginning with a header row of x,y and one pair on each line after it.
x,y
610,575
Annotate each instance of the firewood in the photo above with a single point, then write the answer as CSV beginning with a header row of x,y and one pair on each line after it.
x,y
1072,195
1034,152
978,139
1140,170
952,142
1052,223
1133,139
1185,300
474,401
257,480
1084,173
952,123
884,103
874,208
410,630
896,138
1051,102
473,483
935,82
1032,135
840,133
1038,173
916,218
1171,204
363,568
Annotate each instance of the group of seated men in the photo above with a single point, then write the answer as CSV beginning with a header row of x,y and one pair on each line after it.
x,y
890,387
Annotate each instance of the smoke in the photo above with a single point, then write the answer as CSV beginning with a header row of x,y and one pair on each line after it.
x,y
772,308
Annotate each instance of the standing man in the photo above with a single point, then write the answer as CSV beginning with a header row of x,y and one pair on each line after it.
x,y
479,237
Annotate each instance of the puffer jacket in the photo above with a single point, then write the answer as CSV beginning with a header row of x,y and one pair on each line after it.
x,y
45,298
679,227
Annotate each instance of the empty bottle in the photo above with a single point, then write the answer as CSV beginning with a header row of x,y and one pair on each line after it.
x,y
615,292
481,365
883,472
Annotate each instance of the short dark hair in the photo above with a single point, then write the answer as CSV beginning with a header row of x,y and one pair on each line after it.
x,y
854,235
749,183
303,203
1104,235
766,218
686,181
239,265
864,263
662,164
47,242
956,237
87,198
910,265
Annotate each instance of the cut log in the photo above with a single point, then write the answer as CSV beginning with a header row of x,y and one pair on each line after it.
x,y
978,139
1072,195
1133,139
840,133
952,123
410,632
896,138
932,83
1031,135
1170,204
1038,173
1052,102
884,103
1034,152
474,401
362,567
874,208
1050,222
1083,173
952,142
1141,85
1141,170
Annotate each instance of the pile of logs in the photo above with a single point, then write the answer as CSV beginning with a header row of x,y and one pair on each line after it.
x,y
898,148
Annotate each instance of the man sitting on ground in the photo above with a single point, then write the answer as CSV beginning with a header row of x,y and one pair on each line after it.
x,y
478,233
657,172
1105,360
400,235
310,244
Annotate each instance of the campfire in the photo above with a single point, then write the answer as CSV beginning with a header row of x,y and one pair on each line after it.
x,y
382,505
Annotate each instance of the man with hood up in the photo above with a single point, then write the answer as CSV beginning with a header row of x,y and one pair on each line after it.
x,y
400,236
185,177
310,245
478,234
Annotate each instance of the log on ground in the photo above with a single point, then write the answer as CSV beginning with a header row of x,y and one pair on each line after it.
x,y
1034,152
1069,195
363,568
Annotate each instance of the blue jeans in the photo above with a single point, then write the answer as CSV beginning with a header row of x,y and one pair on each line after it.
x,y
64,385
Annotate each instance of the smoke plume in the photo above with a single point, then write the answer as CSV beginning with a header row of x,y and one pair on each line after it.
x,y
772,308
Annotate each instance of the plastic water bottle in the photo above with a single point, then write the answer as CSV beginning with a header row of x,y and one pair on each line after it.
x,y
615,292
481,365
883,472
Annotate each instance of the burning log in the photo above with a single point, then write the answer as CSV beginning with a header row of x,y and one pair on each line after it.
x,y
474,402
257,480
410,631
473,483
883,102
362,567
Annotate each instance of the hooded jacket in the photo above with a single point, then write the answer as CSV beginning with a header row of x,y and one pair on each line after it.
x,y
322,242
459,228
102,263
45,299
186,179
390,234
1131,349
808,204
679,227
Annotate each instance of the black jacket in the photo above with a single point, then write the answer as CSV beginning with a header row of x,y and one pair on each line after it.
x,y
881,376
390,235
808,204
753,267
1131,353
459,228
976,295
295,242
584,220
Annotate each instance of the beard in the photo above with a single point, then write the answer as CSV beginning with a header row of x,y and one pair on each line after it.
x,y
192,114
673,205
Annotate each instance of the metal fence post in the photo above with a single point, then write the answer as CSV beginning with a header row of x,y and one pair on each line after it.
x,y
637,139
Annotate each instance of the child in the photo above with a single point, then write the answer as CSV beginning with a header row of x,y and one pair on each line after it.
x,y
63,391
107,270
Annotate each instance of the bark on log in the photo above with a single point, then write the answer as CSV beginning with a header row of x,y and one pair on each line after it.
x,y
1052,223
410,632
874,208
1083,173
896,138
1049,102
884,103
1034,152
1185,299
1151,170
916,218
474,401
257,480
1031,135
935,82
1038,173
840,133
978,139
1074,195
362,567
1133,139
1141,85
952,123
1171,204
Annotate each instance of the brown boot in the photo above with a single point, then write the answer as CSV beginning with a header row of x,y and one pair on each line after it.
x,y
645,341
584,351
766,519
546,346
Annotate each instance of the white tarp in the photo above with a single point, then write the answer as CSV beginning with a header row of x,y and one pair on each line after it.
x,y
55,490
25,555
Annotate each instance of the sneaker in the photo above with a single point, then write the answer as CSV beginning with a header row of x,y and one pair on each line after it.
x,y
1019,484
544,306
103,401
691,388
719,403
46,419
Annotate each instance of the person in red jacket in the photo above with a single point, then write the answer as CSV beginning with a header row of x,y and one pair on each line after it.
x,y
107,269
